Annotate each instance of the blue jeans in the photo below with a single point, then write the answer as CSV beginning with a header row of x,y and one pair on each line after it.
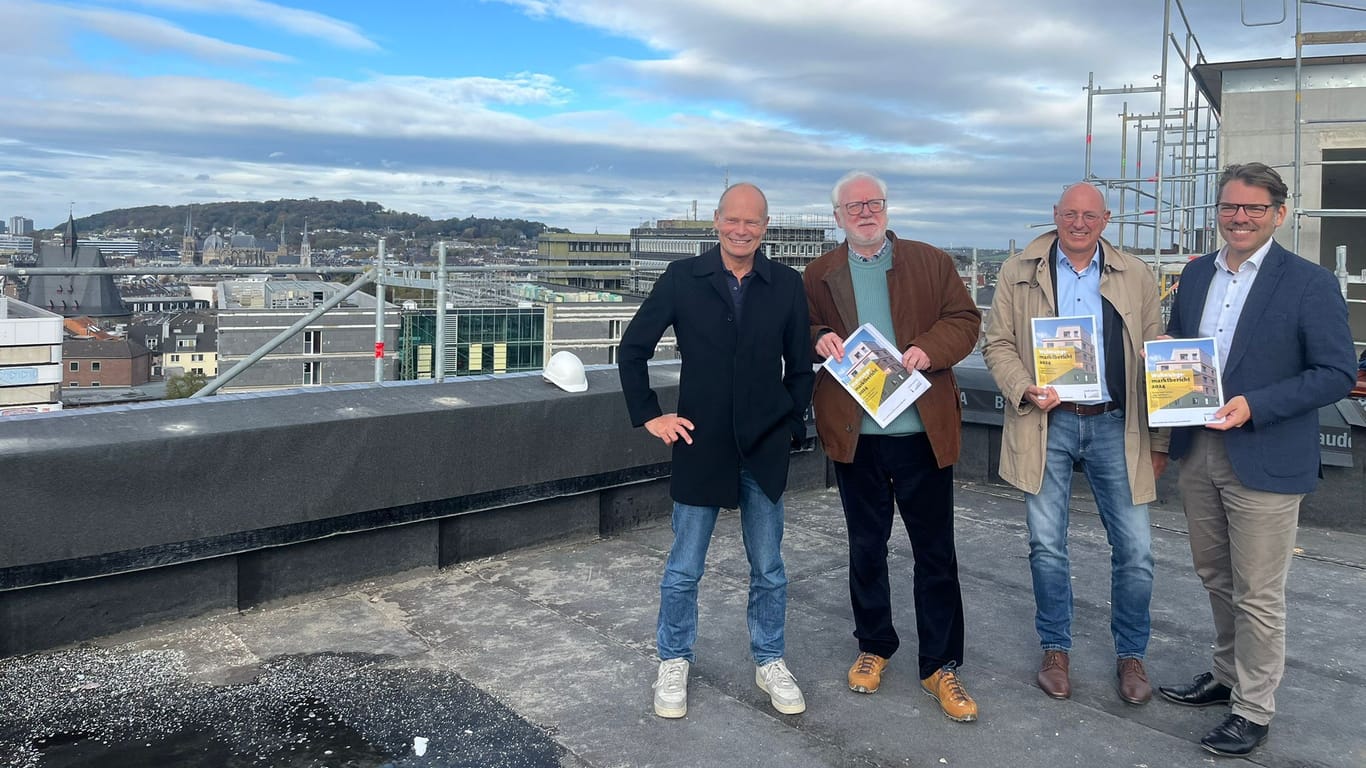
x,y
761,524
1098,443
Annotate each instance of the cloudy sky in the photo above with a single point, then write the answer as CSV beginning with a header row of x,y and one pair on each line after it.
x,y
587,114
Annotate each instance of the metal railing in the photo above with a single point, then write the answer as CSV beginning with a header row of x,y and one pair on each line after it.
x,y
381,274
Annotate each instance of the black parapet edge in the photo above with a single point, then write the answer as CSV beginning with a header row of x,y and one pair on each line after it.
x,y
177,553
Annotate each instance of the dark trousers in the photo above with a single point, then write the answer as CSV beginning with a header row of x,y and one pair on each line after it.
x,y
902,469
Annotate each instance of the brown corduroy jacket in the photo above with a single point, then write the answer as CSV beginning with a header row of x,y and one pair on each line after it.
x,y
931,309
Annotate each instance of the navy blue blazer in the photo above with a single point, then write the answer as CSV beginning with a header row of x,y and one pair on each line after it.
x,y
1291,354
745,386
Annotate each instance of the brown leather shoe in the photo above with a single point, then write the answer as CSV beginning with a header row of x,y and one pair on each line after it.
x,y
1053,675
1133,681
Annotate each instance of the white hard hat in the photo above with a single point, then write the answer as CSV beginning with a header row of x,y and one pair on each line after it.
x,y
565,370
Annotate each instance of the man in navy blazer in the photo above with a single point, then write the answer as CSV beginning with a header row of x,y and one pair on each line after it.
x,y
743,389
1285,349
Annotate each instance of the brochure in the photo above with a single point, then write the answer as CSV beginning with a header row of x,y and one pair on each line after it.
x,y
872,372
1065,356
1182,381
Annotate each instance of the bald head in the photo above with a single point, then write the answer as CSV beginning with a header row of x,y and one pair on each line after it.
x,y
748,189
741,220
1081,196
1081,217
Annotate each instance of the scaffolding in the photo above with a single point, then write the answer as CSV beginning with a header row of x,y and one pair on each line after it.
x,y
1165,206
1173,201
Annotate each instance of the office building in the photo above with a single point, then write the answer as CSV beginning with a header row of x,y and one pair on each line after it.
x,y
612,252
30,358
336,348
18,225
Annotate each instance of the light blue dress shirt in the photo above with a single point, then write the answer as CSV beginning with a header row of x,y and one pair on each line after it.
x,y
1079,294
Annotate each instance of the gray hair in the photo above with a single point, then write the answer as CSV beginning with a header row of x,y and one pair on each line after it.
x,y
854,176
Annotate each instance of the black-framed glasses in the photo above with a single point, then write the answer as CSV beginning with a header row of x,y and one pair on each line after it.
x,y
874,206
1253,210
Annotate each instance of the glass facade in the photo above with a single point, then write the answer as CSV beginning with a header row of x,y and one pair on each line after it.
x,y
478,340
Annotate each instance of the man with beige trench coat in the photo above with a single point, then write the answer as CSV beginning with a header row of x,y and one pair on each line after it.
x,y
1073,271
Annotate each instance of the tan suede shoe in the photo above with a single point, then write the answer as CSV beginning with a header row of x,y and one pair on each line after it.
x,y
866,674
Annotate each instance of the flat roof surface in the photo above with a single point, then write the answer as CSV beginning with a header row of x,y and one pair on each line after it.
x,y
545,657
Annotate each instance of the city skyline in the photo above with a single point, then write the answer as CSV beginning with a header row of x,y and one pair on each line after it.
x,y
580,114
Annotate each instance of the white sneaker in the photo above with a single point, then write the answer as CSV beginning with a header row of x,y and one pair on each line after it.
x,y
671,688
774,679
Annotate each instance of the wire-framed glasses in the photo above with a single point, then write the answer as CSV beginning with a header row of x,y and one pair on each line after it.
x,y
1090,217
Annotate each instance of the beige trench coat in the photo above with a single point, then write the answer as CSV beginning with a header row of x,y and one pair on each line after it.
x,y
1024,290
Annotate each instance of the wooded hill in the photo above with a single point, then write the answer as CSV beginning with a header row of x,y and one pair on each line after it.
x,y
353,217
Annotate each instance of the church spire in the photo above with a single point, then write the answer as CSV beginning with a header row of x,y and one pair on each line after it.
x,y
69,237
187,242
305,249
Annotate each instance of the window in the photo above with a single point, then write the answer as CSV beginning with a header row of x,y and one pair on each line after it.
x,y
313,372
196,358
313,342
74,384
94,383
95,366
74,366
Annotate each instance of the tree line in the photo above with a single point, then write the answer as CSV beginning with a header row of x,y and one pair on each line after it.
x,y
354,218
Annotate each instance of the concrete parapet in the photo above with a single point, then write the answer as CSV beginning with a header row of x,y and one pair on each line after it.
x,y
122,516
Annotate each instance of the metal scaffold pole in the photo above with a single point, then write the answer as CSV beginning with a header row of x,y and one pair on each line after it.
x,y
440,370
1161,139
1296,198
379,312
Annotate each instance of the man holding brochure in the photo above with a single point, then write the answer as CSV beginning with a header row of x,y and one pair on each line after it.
x,y
910,292
1279,323
1072,272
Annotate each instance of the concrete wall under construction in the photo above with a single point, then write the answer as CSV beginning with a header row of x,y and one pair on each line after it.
x,y
1257,107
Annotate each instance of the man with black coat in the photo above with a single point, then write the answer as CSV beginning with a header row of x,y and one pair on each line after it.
x,y
745,383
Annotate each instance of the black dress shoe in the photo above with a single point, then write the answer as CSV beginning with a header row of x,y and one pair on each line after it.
x,y
1234,737
1202,692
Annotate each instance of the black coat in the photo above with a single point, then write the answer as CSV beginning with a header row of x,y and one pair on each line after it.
x,y
745,389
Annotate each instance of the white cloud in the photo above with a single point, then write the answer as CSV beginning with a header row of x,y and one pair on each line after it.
x,y
974,111
151,33
297,21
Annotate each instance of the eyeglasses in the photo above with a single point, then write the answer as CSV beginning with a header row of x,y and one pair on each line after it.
x,y
874,206
1253,211
1090,217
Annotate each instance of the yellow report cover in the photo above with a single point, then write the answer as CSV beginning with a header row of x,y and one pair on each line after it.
x,y
1183,385
1065,356
872,372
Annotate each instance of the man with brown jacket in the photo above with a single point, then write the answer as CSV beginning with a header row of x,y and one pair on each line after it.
x,y
1068,272
912,294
